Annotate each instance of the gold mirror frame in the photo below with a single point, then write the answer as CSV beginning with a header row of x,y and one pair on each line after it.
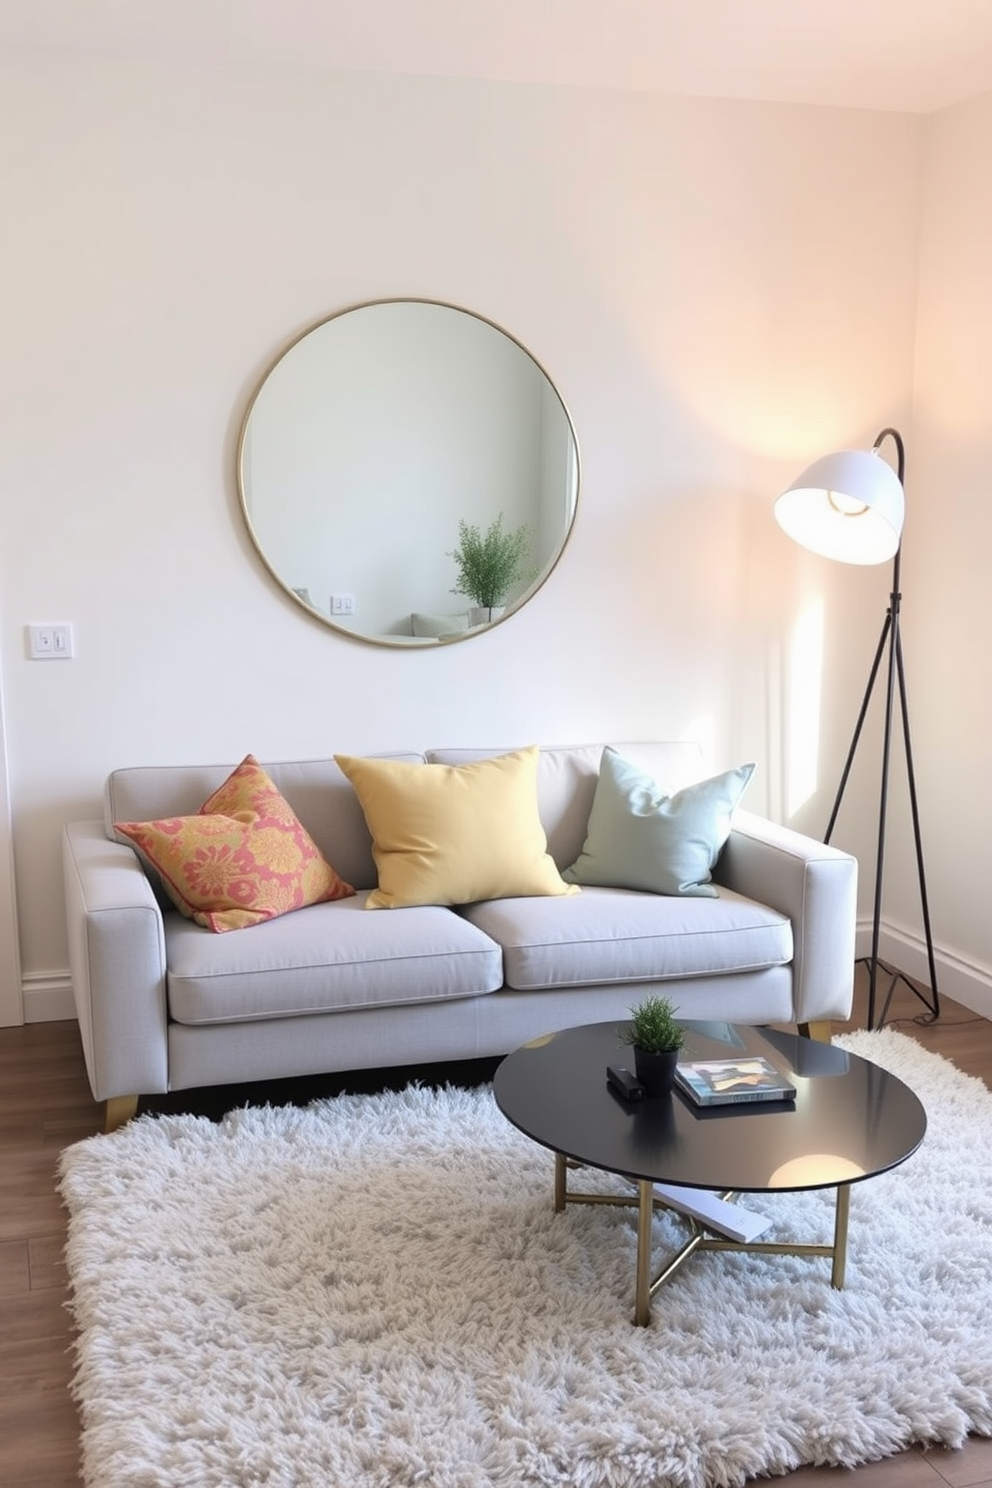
x,y
372,435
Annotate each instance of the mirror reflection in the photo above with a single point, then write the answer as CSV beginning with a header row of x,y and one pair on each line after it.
x,y
382,438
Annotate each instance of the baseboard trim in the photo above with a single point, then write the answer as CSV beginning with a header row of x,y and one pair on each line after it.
x,y
48,997
966,982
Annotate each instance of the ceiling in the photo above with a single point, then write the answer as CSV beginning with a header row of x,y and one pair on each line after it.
x,y
906,55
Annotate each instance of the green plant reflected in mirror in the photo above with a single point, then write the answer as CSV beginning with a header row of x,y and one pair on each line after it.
x,y
491,564
389,445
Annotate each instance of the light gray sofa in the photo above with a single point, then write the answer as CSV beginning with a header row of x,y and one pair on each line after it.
x,y
164,1004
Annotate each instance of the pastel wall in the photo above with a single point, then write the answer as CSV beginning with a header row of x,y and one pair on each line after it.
x,y
948,557
720,291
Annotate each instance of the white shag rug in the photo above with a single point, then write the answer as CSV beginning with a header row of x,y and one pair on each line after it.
x,y
375,1293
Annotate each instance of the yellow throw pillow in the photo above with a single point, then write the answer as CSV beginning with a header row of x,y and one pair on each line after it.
x,y
454,834
244,858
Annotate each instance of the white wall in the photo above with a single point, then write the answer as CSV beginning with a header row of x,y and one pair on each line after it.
x,y
948,559
686,270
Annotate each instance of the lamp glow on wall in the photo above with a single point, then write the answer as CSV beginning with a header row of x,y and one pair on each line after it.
x,y
850,506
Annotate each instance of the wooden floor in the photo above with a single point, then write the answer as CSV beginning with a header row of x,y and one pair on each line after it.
x,y
45,1104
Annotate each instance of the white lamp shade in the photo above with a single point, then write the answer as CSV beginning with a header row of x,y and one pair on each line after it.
x,y
848,506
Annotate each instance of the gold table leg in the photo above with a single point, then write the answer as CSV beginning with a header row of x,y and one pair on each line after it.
x,y
840,1235
561,1182
642,1290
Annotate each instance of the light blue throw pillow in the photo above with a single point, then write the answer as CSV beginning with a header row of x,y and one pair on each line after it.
x,y
640,838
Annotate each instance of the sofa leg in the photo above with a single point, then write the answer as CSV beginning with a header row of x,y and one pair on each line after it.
x,y
819,1030
119,1108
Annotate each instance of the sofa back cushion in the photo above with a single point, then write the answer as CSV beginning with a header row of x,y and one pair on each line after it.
x,y
244,858
567,776
326,803
317,790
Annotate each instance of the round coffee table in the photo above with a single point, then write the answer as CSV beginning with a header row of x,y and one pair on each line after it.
x,y
850,1120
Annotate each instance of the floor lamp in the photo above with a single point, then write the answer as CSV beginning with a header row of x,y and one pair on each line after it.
x,y
850,506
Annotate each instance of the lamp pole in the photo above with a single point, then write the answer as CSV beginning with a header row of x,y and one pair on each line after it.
x,y
890,641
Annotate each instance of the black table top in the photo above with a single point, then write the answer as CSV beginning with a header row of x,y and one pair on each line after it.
x,y
850,1118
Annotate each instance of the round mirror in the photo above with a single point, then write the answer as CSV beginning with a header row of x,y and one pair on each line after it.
x,y
408,472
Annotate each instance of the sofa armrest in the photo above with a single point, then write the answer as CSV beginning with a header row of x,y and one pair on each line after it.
x,y
816,886
117,959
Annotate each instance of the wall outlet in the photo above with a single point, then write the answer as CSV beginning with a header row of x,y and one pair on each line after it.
x,y
342,604
50,642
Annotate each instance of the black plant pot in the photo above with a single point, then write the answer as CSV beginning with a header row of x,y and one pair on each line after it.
x,y
656,1072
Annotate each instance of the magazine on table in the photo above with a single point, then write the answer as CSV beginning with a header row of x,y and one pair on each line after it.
x,y
724,1082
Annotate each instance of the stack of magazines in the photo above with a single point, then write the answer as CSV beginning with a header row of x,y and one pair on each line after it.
x,y
723,1082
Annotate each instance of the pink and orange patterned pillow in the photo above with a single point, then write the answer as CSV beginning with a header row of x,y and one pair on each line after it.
x,y
244,858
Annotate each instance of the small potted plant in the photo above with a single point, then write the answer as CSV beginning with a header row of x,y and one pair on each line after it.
x,y
657,1039
489,564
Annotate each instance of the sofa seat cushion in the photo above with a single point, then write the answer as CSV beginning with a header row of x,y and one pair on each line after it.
x,y
619,935
326,958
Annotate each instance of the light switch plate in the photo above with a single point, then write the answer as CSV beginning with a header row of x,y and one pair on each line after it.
x,y
50,642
